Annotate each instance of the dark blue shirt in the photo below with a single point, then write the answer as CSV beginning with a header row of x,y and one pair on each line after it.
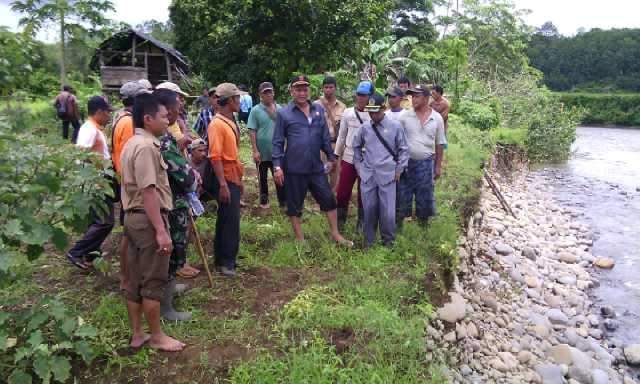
x,y
303,140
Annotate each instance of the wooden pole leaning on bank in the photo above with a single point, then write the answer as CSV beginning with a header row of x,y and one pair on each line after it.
x,y
499,195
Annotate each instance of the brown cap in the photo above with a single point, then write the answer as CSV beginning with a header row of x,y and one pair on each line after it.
x,y
265,87
226,90
299,80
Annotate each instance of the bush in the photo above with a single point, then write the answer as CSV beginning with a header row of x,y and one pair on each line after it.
x,y
478,115
616,109
551,131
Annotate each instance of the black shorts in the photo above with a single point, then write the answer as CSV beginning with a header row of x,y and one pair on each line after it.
x,y
296,186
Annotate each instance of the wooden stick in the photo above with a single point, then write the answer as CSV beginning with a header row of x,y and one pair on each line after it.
x,y
501,198
192,223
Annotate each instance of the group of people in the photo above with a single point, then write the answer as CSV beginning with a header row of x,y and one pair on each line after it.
x,y
163,168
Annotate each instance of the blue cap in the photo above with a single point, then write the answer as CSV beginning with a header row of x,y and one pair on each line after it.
x,y
365,88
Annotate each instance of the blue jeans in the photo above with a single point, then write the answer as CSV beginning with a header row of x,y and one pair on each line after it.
x,y
416,181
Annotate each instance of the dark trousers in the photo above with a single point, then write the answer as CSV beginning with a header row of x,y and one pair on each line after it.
x,y
227,241
263,170
416,182
100,227
65,129
244,116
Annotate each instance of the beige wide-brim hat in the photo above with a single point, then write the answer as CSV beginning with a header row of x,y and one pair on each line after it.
x,y
172,87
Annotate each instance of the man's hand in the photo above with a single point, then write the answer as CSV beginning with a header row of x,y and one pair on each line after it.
x,y
184,142
241,189
198,177
165,246
332,166
398,174
278,176
224,194
437,172
256,157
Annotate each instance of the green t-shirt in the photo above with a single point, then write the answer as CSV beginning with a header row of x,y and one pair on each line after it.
x,y
261,122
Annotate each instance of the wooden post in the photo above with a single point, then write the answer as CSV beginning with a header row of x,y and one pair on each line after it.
x,y
101,59
146,61
133,52
169,75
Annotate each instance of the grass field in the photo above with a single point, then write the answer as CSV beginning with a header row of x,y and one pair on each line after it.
x,y
312,313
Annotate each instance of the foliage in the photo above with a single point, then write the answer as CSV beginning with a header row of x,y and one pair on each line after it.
x,y
617,109
45,191
159,30
40,342
262,35
496,37
551,131
481,116
599,60
16,57
411,19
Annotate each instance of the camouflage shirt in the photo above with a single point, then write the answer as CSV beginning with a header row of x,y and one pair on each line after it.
x,y
181,176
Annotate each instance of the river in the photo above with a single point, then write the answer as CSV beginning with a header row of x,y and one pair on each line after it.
x,y
601,183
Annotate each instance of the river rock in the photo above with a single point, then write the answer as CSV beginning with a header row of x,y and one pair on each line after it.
x,y
599,376
567,257
531,281
567,280
607,312
450,337
524,357
472,330
556,316
490,301
565,354
610,325
581,374
550,373
503,249
529,253
632,354
461,331
604,262
453,311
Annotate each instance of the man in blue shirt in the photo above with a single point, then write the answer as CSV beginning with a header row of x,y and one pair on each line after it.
x,y
246,103
206,115
301,128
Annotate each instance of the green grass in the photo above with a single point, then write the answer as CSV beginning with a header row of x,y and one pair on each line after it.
x,y
352,316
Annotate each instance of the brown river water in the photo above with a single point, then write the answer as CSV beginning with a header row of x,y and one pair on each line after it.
x,y
601,182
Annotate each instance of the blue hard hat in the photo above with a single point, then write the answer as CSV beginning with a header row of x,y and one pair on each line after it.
x,y
365,88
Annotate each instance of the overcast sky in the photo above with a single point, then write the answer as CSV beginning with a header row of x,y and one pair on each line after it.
x,y
567,15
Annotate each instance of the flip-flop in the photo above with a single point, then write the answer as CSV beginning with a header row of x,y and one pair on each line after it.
x,y
77,261
186,275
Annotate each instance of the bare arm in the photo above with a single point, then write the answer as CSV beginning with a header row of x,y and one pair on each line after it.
x,y
439,156
254,145
151,203
342,137
218,169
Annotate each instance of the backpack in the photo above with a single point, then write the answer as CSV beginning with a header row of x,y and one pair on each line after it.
x,y
61,107
210,183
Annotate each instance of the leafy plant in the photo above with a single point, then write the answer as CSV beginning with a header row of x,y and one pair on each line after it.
x,y
41,342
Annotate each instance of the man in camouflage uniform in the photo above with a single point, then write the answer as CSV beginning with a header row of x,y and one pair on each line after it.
x,y
182,180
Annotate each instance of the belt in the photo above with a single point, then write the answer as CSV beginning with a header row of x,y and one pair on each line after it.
x,y
164,211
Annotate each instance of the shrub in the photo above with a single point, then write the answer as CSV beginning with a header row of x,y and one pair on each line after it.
x,y
617,109
551,131
478,115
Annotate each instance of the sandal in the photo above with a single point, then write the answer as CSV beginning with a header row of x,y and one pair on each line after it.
x,y
77,261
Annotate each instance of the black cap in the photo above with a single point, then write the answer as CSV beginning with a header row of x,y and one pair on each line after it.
x,y
299,80
329,80
265,87
98,103
376,102
394,91
419,89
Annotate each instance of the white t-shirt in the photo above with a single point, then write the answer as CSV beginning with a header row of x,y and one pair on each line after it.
x,y
395,115
91,137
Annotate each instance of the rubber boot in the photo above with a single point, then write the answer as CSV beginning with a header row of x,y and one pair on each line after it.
x,y
342,218
166,305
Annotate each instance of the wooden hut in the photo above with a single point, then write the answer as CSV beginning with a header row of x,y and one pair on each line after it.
x,y
132,55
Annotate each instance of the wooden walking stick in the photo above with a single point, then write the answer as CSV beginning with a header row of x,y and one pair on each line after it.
x,y
192,223
196,234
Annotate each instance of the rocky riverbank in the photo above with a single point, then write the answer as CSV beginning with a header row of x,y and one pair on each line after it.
x,y
520,311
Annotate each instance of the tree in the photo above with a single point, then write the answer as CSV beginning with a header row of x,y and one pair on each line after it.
x,y
411,19
16,56
496,37
252,41
159,30
548,29
70,16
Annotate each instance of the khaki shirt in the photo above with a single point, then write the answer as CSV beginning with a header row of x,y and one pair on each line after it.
x,y
333,113
406,102
142,166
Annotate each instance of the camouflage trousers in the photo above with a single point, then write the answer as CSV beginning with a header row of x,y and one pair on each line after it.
x,y
179,227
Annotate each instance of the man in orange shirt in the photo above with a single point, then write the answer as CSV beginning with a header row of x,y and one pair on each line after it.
x,y
224,141
123,130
